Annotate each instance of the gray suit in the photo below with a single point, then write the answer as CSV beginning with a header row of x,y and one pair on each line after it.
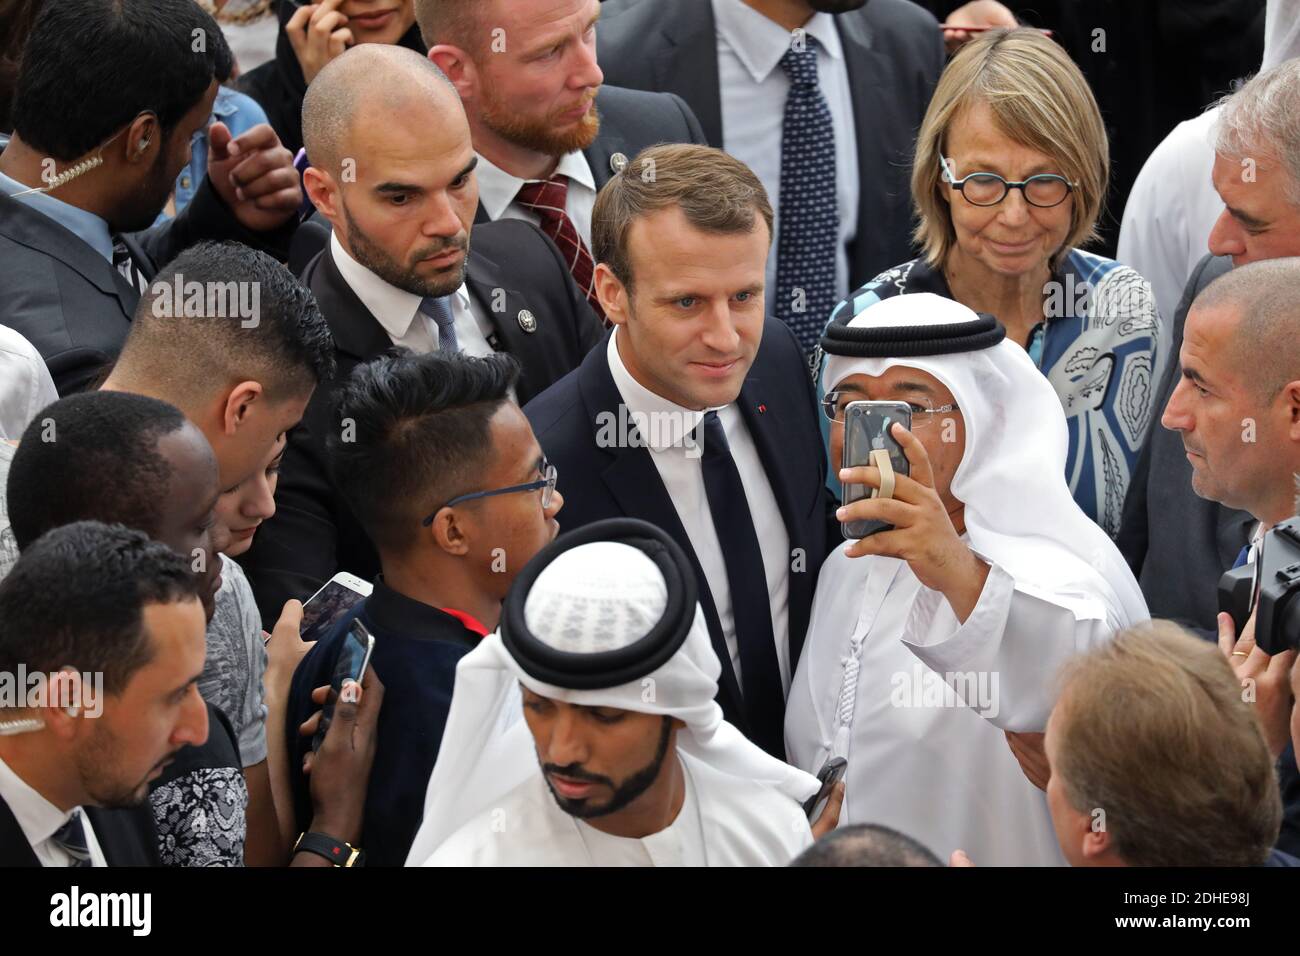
x,y
893,52
72,304
1177,543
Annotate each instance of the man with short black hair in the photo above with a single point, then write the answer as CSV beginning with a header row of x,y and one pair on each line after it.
x,y
88,600
244,381
446,478
110,94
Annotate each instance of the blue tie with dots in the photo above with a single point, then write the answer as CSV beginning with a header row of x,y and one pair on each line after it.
x,y
810,219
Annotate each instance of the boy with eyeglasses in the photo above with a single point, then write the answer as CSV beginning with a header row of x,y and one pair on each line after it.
x,y
442,471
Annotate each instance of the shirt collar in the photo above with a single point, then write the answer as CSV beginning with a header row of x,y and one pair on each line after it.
x,y
393,308
36,816
497,188
661,423
759,43
389,610
86,226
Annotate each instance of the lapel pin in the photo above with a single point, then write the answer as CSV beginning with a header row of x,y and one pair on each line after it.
x,y
618,162
762,409
527,321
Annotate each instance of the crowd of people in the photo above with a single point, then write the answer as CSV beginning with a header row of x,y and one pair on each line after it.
x,y
526,343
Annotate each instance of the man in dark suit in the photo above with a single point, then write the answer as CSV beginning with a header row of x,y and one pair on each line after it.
x,y
394,174
103,114
698,415
549,136
1178,543
821,98
115,623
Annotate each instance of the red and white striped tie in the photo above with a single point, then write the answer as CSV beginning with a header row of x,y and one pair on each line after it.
x,y
547,198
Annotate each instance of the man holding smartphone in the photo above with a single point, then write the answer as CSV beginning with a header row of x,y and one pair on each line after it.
x,y
980,577
446,478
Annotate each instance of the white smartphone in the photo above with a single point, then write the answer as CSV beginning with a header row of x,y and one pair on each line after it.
x,y
340,594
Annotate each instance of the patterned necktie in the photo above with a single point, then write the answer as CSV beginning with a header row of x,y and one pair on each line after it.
x,y
760,672
71,837
125,263
547,199
438,309
810,219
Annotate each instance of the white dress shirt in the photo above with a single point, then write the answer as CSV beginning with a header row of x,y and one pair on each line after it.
x,y
40,820
754,88
25,383
497,190
666,432
398,311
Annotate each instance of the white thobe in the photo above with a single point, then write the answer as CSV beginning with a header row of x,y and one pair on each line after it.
x,y
917,703
724,821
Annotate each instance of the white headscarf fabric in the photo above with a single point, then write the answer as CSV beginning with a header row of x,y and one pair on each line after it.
x,y
1018,509
594,597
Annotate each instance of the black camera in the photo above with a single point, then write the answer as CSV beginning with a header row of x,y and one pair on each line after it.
x,y
1277,617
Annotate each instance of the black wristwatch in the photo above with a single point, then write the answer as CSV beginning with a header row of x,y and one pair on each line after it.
x,y
336,851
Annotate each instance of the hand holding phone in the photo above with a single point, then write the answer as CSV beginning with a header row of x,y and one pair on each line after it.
x,y
339,595
354,658
867,432
831,773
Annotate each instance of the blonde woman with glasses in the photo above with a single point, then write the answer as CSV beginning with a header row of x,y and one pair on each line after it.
x,y
1009,178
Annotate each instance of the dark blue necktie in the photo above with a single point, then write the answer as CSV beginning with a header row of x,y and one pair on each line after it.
x,y
438,309
760,673
810,219
72,838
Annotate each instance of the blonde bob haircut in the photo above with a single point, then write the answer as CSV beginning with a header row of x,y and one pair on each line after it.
x,y
1040,99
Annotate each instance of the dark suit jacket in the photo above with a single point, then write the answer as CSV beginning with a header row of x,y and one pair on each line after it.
x,y
1178,543
778,406
631,120
72,304
893,53
314,533
127,837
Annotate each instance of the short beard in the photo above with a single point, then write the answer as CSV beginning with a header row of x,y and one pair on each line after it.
x,y
538,136
374,257
102,756
152,197
624,793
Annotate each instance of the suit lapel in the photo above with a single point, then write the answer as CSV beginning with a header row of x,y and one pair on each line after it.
x,y
38,232
773,453
356,331
688,66
873,93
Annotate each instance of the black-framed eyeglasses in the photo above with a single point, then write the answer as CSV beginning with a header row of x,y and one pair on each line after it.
x,y
834,403
988,189
546,483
